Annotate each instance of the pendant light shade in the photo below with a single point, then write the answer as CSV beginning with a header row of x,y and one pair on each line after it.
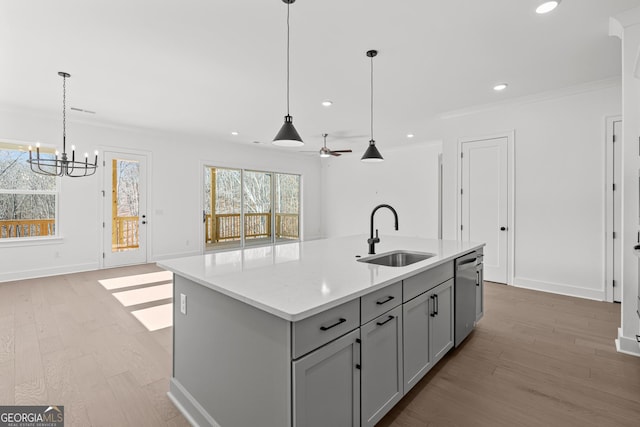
x,y
372,154
288,136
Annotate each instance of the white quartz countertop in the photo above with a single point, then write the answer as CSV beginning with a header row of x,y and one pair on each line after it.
x,y
297,280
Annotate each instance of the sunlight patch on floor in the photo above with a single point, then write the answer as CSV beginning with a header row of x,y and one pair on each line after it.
x,y
155,318
136,280
143,295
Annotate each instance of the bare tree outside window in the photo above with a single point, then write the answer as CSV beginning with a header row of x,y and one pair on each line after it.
x,y
267,197
27,200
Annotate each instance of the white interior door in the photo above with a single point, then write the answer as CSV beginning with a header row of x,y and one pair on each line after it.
x,y
125,209
484,202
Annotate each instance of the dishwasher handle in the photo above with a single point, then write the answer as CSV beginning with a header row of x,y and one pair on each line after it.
x,y
466,264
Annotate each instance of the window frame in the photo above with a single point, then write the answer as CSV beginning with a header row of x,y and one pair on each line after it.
x,y
33,240
242,244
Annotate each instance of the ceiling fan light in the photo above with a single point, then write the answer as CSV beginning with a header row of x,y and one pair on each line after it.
x,y
372,154
324,152
288,135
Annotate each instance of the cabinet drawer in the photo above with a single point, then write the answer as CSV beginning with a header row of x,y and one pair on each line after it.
x,y
379,302
422,282
315,331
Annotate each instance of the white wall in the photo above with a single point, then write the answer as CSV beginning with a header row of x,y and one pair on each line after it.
x,y
406,180
559,185
174,210
627,27
559,174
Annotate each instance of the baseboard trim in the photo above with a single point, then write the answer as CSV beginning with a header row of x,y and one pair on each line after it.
x,y
44,272
188,406
559,288
627,345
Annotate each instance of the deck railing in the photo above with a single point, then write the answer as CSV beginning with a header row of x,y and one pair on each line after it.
x,y
226,227
124,232
27,228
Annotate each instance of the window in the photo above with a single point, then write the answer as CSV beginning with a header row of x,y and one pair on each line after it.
x,y
28,201
248,208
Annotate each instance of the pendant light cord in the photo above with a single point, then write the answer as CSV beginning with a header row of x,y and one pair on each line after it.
x,y
288,59
372,98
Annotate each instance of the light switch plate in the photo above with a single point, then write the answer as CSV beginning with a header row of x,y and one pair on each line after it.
x,y
183,304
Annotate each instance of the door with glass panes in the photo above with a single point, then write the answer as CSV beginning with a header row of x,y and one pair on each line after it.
x,y
125,209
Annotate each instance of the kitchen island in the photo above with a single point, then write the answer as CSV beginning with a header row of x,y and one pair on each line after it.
x,y
285,335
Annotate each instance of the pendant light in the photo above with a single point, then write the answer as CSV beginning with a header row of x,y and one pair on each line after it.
x,y
372,154
288,135
62,166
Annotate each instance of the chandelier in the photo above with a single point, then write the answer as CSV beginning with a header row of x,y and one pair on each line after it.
x,y
62,164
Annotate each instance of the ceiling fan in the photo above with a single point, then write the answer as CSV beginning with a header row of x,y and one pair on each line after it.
x,y
326,152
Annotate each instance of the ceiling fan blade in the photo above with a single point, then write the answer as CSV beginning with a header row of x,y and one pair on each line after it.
x,y
334,153
342,151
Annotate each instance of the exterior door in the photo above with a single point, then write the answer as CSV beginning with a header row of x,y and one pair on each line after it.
x,y
484,202
125,209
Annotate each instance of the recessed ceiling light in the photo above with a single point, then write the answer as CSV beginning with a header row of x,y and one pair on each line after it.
x,y
410,135
327,103
500,87
234,133
547,6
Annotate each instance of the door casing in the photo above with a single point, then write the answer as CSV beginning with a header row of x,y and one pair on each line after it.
x,y
511,224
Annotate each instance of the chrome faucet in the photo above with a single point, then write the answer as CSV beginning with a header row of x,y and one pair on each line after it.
x,y
373,240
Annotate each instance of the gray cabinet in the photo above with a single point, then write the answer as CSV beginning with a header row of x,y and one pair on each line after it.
x,y
326,385
381,357
416,361
428,331
441,321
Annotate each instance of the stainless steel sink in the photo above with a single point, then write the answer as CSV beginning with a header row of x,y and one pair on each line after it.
x,y
397,258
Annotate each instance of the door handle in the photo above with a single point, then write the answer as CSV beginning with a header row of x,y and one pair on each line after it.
x,y
503,228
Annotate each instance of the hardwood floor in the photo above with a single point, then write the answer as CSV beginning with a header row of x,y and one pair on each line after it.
x,y
535,359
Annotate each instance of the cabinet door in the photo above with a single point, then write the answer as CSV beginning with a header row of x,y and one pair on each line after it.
x,y
441,321
415,316
326,385
381,365
479,293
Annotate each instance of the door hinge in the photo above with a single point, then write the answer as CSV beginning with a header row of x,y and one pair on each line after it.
x,y
103,225
461,191
104,163
103,193
614,283
358,366
461,155
614,137
460,226
614,234
614,187
103,255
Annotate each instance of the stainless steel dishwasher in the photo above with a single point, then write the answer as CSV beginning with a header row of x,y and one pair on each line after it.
x,y
466,279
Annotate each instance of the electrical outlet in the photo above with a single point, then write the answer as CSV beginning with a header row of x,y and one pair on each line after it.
x,y
183,304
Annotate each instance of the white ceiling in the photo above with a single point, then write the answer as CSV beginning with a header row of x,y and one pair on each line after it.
x,y
210,67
